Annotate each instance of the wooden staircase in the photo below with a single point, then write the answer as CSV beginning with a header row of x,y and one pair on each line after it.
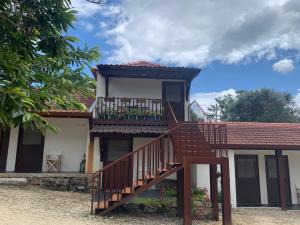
x,y
139,170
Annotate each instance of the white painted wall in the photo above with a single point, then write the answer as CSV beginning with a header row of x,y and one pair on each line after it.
x,y
12,149
294,163
70,141
294,167
134,88
97,164
100,89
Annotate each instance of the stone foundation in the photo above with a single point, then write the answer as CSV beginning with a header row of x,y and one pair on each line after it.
x,y
55,181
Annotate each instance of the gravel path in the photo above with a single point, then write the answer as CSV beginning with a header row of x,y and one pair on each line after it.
x,y
34,206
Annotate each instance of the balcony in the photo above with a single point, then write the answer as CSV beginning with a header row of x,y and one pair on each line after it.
x,y
123,110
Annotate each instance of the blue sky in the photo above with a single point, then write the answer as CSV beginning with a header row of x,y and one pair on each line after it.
x,y
238,45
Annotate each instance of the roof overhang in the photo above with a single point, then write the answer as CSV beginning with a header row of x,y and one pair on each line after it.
x,y
66,114
160,72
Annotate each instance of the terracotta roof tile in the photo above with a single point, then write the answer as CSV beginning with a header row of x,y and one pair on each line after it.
x,y
267,135
142,63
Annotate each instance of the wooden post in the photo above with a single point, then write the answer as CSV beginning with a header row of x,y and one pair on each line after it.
x,y
214,191
281,176
89,164
187,197
180,192
226,201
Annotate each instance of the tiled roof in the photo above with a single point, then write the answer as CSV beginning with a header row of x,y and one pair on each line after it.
x,y
265,135
142,63
128,129
57,112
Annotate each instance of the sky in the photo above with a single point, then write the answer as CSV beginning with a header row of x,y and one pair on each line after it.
x,y
239,45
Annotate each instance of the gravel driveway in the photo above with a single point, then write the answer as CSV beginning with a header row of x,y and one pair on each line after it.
x,y
34,206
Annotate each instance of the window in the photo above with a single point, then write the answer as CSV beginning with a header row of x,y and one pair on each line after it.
x,y
31,136
116,148
246,167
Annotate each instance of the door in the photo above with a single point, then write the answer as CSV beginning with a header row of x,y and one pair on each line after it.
x,y
173,92
30,150
114,149
4,140
247,180
273,180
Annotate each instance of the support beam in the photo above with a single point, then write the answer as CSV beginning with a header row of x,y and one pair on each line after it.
x,y
180,192
226,201
282,178
187,197
214,191
90,158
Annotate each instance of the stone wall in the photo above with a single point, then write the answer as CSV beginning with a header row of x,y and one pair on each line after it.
x,y
74,184
55,181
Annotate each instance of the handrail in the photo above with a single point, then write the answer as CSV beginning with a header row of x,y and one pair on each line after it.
x,y
135,151
200,108
152,158
125,108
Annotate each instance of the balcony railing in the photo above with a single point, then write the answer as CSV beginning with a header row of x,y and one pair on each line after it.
x,y
115,108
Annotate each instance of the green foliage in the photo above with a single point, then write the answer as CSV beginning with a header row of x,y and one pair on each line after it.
x,y
263,105
200,194
40,66
171,192
169,201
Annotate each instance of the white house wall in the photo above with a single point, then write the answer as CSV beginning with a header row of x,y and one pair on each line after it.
x,y
70,141
135,88
12,149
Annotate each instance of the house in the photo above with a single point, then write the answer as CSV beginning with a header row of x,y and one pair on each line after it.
x,y
25,150
138,132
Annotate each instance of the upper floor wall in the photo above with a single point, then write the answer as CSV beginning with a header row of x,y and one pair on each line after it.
x,y
148,82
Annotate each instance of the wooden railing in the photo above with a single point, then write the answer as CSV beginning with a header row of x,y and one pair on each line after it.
x,y
131,171
134,170
113,108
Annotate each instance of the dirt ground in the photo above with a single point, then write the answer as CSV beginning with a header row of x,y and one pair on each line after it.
x,y
34,206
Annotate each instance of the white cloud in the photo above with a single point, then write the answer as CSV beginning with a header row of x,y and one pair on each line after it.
x,y
87,26
194,32
297,98
87,9
284,66
205,99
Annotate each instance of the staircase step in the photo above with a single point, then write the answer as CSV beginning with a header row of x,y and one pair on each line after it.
x,y
172,165
102,205
127,191
149,177
139,183
116,197
161,171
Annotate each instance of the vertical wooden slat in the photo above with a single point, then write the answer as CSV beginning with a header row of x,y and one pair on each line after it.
x,y
143,165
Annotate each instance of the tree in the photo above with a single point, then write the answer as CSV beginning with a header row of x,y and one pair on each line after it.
x,y
263,105
40,66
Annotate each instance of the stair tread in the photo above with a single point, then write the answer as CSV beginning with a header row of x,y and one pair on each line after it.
x,y
102,205
116,197
127,190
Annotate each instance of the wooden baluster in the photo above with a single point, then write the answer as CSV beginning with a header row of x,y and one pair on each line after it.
x,y
99,189
143,166
137,168
110,182
168,148
163,152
